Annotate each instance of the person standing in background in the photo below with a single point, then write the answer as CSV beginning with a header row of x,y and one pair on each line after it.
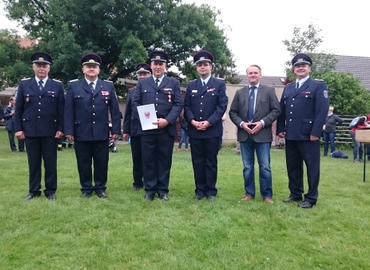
x,y
131,127
331,122
184,137
10,127
1,111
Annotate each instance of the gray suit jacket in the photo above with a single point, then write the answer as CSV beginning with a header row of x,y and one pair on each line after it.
x,y
267,108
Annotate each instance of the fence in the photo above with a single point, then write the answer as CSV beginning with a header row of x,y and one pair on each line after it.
x,y
343,134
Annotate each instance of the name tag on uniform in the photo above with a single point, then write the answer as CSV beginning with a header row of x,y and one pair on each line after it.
x,y
194,91
105,93
167,89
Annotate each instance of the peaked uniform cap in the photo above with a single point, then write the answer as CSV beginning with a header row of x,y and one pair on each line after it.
x,y
41,58
158,55
91,58
203,55
301,59
143,68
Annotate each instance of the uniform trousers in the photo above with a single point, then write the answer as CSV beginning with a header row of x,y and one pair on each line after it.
x,y
137,163
13,147
38,149
296,153
157,160
204,158
90,153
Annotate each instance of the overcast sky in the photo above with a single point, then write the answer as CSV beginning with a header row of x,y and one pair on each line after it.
x,y
258,28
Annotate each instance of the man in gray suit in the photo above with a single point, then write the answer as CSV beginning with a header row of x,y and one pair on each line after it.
x,y
253,110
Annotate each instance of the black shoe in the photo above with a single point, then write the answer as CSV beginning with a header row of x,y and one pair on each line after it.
x,y
31,196
102,195
198,196
51,197
290,199
211,198
22,150
163,197
149,197
86,195
306,204
60,149
137,188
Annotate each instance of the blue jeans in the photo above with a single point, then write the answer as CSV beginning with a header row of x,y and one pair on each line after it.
x,y
184,138
329,138
357,147
262,150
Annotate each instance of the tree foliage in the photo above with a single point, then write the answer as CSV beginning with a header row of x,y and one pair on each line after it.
x,y
14,60
308,41
347,94
123,32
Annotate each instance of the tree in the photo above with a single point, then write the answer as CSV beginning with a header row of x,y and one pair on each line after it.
x,y
346,93
14,60
123,32
308,42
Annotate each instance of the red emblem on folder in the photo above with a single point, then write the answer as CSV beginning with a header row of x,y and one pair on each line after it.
x,y
147,114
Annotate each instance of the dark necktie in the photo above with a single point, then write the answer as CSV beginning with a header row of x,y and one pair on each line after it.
x,y
157,82
92,87
41,87
204,83
296,86
251,103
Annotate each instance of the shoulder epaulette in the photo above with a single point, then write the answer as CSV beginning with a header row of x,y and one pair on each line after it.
x,y
24,79
75,80
108,81
57,80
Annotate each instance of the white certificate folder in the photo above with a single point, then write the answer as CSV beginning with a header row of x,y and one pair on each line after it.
x,y
147,116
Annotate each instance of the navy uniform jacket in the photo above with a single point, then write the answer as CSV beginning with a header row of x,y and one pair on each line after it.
x,y
303,112
86,115
1,111
39,113
206,103
131,122
166,99
9,119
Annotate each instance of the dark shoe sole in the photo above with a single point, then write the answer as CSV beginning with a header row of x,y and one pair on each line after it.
x,y
290,200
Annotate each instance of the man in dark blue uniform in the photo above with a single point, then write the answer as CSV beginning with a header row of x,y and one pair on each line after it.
x,y
131,126
304,106
39,120
205,105
157,144
90,102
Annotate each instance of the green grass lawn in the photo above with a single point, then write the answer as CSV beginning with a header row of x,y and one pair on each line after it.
x,y
127,232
